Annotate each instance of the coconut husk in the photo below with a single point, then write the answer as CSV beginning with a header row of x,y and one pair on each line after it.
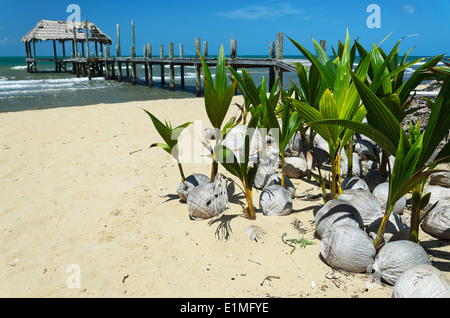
x,y
275,200
381,192
276,179
438,193
336,212
422,281
191,182
395,257
295,167
354,183
347,247
266,168
437,222
395,230
365,202
208,200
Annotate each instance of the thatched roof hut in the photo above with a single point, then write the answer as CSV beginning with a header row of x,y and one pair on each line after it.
x,y
63,31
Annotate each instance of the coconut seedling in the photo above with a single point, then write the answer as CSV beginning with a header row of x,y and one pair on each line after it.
x,y
386,80
290,123
241,167
251,92
339,99
412,151
170,136
218,96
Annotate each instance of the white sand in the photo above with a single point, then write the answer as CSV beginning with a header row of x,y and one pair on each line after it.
x,y
80,188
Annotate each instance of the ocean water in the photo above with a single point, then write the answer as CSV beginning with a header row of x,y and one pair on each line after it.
x,y
20,90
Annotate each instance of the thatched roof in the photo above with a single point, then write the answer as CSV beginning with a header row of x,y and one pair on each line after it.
x,y
63,31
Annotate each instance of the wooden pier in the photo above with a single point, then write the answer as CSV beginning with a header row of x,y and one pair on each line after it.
x,y
92,64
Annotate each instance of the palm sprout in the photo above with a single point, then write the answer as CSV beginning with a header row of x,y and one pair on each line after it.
x,y
170,136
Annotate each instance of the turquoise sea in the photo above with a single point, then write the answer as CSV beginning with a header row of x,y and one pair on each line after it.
x,y
20,90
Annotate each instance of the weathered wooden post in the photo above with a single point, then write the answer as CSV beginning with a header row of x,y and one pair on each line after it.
x,y
197,48
86,32
233,48
145,64
106,62
34,56
161,56
198,65
280,57
118,55
56,56
182,66
27,56
271,68
205,49
150,65
323,44
133,55
171,68
75,51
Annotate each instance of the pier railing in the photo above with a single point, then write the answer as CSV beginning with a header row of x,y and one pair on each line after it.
x,y
100,64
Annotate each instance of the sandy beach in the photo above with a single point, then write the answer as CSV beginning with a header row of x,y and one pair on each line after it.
x,y
82,192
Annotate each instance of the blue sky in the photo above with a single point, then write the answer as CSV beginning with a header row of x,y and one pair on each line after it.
x,y
253,23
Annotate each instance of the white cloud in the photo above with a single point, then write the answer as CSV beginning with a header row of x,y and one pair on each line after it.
x,y
262,12
5,40
409,8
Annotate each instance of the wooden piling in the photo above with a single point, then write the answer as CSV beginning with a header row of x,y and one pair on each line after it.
x,y
171,69
161,55
133,55
118,54
133,65
182,66
86,32
205,49
323,44
197,48
34,56
56,56
150,65
27,55
279,57
145,64
233,48
107,65
271,69
198,65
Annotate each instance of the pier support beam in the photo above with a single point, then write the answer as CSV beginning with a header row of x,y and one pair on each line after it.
x,y
118,54
161,55
279,57
145,64
272,68
171,69
150,65
233,48
198,66
133,55
323,44
182,66
86,32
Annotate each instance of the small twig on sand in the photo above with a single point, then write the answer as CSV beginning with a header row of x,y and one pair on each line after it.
x,y
269,278
135,151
